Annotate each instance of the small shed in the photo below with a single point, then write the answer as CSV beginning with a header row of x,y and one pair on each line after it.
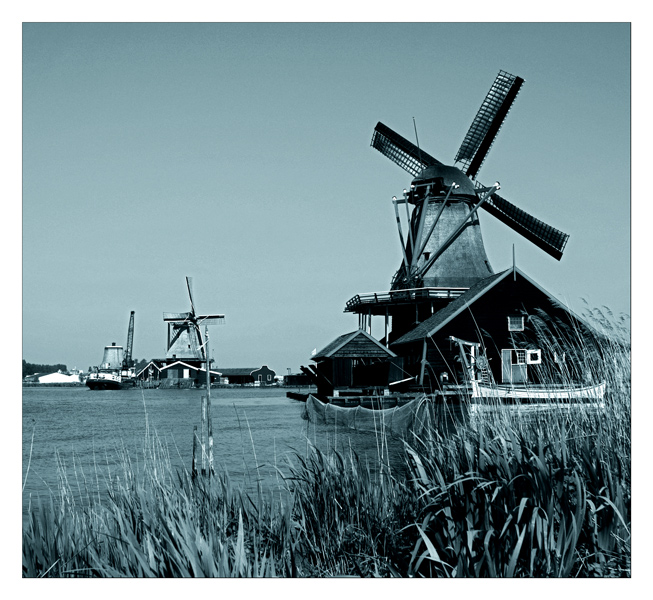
x,y
354,362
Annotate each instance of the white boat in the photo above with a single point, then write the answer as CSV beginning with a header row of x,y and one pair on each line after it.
x,y
483,386
537,392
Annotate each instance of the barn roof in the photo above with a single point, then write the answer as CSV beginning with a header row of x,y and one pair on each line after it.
x,y
184,364
433,324
239,371
355,344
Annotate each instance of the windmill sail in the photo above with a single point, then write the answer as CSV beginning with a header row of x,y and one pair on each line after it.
x,y
548,238
398,149
185,338
487,122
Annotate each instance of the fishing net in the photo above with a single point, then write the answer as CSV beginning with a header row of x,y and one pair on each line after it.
x,y
411,417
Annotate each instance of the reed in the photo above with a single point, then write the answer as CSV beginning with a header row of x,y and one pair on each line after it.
x,y
547,493
506,496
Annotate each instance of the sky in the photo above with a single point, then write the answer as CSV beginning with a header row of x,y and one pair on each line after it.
x,y
239,154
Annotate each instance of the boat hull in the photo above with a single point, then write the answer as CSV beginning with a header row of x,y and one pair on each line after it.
x,y
109,381
533,393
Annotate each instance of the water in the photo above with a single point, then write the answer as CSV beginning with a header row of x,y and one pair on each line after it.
x,y
254,429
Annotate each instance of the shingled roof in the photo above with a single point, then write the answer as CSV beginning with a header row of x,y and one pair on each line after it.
x,y
357,344
433,324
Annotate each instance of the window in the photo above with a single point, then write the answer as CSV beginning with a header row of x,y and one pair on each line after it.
x,y
515,323
269,377
260,377
519,357
533,357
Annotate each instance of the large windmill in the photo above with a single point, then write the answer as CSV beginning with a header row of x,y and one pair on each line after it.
x,y
443,247
185,339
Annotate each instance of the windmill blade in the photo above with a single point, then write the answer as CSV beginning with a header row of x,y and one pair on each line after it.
x,y
176,317
548,238
487,122
189,285
399,150
209,319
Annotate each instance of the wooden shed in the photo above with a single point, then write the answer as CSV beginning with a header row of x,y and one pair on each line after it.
x,y
356,363
249,375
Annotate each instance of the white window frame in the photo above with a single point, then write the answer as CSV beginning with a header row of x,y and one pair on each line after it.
x,y
518,356
512,327
533,357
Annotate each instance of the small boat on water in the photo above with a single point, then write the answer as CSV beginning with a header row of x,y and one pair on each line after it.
x,y
116,372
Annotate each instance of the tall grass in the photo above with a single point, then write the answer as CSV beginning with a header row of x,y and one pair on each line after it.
x,y
507,496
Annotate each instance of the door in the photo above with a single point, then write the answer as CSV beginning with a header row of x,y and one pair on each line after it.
x,y
513,366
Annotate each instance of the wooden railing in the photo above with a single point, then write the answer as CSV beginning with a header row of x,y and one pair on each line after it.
x,y
401,296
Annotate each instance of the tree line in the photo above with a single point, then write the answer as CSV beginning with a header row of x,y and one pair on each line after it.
x,y
32,368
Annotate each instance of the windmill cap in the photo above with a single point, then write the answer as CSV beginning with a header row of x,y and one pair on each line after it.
x,y
448,176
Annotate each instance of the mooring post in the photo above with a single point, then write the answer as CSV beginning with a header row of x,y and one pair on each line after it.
x,y
208,403
203,440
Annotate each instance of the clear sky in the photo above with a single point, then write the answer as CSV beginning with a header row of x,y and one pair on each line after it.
x,y
239,154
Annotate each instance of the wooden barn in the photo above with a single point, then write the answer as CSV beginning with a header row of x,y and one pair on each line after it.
x,y
528,336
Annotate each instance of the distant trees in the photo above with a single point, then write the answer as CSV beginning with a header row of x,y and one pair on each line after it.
x,y
31,368
140,364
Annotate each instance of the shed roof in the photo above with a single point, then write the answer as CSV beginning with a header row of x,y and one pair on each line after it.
x,y
358,343
238,371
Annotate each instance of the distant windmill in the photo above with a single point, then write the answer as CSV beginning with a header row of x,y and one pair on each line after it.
x,y
184,330
443,246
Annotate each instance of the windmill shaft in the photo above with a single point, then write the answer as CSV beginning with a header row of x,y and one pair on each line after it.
x,y
420,229
401,235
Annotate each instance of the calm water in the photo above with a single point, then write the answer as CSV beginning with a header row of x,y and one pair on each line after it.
x,y
254,429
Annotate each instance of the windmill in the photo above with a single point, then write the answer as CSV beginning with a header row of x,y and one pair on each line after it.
x,y
184,331
443,246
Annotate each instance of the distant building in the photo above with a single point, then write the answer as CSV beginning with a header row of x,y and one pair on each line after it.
x,y
248,376
296,379
176,372
59,378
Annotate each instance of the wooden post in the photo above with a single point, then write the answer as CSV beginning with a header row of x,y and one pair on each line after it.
x,y
421,373
387,344
203,438
209,422
194,467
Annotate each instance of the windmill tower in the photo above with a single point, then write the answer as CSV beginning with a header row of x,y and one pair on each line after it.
x,y
185,341
443,253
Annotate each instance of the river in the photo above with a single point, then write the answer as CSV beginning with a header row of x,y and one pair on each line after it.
x,y
81,432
